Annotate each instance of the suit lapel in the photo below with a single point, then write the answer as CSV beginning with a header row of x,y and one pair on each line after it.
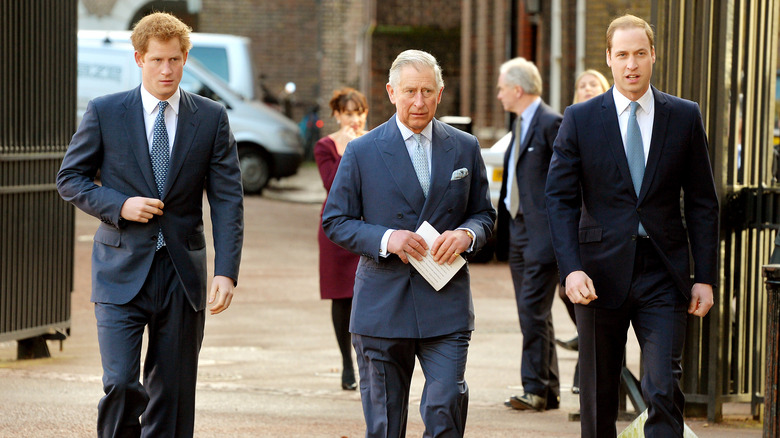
x,y
657,140
442,165
186,127
609,119
393,151
135,128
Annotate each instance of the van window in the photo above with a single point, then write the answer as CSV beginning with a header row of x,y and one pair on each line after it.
x,y
194,85
214,58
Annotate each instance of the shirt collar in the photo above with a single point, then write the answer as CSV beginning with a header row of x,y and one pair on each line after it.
x,y
528,113
150,102
406,133
622,103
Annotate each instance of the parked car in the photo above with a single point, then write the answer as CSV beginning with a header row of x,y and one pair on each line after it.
x,y
227,56
269,144
494,163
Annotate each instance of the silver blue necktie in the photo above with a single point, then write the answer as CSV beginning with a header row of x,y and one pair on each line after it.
x,y
635,152
420,162
160,157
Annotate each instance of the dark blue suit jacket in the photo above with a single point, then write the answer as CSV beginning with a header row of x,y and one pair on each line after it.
x,y
531,175
589,169
375,189
112,140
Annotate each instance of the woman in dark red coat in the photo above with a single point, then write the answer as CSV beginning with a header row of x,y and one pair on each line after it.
x,y
337,265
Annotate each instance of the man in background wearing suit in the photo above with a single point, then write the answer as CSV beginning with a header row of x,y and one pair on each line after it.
x,y
157,148
622,159
522,221
411,169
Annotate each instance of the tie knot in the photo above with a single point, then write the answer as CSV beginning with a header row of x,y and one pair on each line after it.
x,y
418,139
163,104
634,106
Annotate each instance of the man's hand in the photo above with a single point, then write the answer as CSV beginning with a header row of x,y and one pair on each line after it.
x,y
403,242
449,245
701,299
222,291
138,209
579,288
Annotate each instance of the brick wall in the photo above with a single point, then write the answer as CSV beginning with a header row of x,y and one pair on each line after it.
x,y
430,25
599,15
343,30
284,38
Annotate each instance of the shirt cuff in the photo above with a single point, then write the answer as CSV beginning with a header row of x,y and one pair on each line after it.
x,y
383,245
471,247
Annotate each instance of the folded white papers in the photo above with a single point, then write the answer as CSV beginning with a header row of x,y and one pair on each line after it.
x,y
437,275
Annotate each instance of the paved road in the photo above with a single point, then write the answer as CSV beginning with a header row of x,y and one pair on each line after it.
x,y
269,365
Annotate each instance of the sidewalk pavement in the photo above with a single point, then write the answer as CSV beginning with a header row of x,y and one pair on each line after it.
x,y
269,366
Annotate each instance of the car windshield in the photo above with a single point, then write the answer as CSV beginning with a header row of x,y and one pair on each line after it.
x,y
214,58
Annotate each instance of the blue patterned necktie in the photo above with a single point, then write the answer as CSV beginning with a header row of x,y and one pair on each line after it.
x,y
160,157
420,162
635,152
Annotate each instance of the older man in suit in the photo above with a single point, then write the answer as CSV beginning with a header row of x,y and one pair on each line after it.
x,y
621,161
409,170
156,148
522,221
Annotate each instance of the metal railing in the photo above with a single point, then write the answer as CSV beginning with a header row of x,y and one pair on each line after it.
x,y
37,119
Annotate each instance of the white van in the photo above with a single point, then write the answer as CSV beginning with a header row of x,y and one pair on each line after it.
x,y
269,144
227,56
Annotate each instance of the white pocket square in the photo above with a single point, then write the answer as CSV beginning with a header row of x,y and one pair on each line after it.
x,y
460,173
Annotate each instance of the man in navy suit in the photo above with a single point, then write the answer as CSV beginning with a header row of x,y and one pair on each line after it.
x,y
621,161
156,148
409,170
522,221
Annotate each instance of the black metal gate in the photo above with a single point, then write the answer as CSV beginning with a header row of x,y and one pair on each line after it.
x,y
37,119
723,55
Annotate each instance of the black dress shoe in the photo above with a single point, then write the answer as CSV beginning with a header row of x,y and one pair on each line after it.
x,y
527,402
348,380
552,403
572,344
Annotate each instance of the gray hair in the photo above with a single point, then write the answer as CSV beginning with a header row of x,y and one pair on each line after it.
x,y
523,73
418,59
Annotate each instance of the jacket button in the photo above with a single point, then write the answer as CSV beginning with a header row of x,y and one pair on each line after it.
x,y
154,237
449,210
399,215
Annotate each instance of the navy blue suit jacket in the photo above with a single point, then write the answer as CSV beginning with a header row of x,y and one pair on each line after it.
x,y
112,140
376,189
531,176
589,169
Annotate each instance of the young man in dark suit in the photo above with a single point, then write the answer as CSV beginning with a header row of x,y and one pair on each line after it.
x,y
404,172
621,161
522,221
156,148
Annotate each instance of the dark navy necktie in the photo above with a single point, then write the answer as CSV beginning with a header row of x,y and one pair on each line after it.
x,y
160,157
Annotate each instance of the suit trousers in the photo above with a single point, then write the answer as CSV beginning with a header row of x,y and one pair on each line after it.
x,y
658,312
535,282
166,400
386,366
